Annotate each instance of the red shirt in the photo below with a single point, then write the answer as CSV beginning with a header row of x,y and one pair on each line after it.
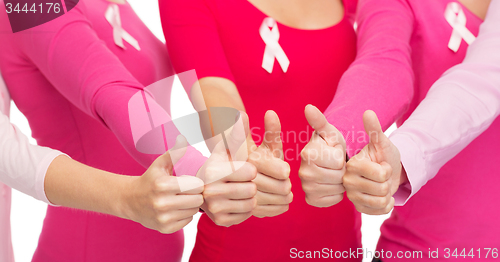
x,y
220,38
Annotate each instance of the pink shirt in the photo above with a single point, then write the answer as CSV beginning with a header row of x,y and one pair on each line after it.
x,y
468,93
402,51
224,38
73,83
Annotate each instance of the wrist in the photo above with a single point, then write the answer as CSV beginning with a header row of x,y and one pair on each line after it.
x,y
125,197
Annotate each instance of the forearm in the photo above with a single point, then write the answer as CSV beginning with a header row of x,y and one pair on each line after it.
x,y
381,77
72,184
212,92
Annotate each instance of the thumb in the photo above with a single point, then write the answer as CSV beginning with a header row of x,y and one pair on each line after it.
x,y
236,137
272,134
325,130
172,156
373,129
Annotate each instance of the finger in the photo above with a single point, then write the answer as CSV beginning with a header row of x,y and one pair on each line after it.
x,y
178,202
327,131
190,185
223,172
369,170
366,186
376,211
320,190
244,172
221,205
229,219
273,199
176,185
232,190
369,201
374,130
272,135
175,226
270,185
325,201
270,210
322,155
321,175
270,165
238,135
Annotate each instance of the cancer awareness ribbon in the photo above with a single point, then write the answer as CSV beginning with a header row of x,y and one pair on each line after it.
x,y
455,16
270,35
119,34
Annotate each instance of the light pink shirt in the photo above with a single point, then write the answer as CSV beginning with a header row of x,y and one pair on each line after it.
x,y
468,94
402,51
22,166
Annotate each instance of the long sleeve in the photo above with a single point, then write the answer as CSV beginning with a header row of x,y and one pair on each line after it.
x,y
381,78
79,65
458,108
22,165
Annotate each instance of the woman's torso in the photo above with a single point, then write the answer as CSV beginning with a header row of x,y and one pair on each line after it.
x,y
456,209
318,59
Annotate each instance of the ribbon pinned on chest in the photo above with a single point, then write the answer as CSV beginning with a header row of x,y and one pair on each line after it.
x,y
119,34
455,16
270,35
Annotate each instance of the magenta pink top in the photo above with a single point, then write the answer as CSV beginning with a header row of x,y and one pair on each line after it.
x,y
73,83
402,50
228,39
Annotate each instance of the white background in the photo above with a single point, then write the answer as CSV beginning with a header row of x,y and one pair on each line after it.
x,y
28,213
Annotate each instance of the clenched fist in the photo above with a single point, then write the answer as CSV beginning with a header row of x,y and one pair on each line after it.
x,y
273,178
156,199
323,162
229,191
374,175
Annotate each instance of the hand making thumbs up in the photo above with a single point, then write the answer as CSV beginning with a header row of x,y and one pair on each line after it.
x,y
273,178
374,175
323,162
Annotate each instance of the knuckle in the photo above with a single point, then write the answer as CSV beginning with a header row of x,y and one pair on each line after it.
x,y
384,188
215,208
168,229
312,201
287,187
211,192
199,200
163,220
253,189
222,221
249,205
157,204
361,209
289,198
378,202
308,188
306,175
251,168
347,181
